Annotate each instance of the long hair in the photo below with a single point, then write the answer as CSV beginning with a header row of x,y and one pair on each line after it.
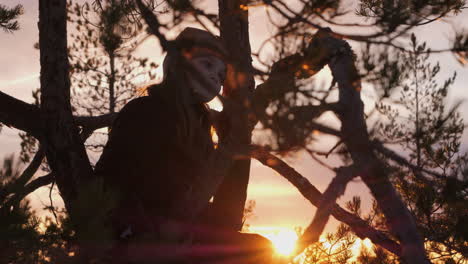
x,y
193,129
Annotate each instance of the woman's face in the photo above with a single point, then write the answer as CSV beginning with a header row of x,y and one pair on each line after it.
x,y
213,71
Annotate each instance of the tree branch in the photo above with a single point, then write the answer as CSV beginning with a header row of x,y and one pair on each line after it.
x,y
32,167
283,77
95,122
326,203
357,225
153,24
27,174
27,117
356,138
29,188
20,115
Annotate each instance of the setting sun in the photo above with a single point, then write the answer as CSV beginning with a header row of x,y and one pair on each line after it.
x,y
284,241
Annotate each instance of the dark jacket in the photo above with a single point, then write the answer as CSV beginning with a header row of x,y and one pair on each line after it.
x,y
146,162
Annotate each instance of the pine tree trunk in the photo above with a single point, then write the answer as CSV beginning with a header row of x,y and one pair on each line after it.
x,y
229,201
372,171
65,151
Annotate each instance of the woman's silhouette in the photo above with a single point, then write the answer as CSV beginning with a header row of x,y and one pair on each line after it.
x,y
160,146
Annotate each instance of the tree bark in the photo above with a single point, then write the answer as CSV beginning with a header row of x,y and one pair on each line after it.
x,y
229,201
65,151
372,170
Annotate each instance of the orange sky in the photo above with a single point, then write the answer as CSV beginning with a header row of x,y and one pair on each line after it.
x,y
278,203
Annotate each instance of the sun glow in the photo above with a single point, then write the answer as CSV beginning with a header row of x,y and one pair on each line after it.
x,y
284,241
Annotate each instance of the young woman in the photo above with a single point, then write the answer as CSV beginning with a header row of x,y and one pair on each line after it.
x,y
160,158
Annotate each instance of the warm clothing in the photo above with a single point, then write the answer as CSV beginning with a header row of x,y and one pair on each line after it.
x,y
147,162
151,164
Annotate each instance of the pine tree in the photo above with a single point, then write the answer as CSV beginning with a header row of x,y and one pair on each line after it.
x,y
424,127
104,70
9,16
431,180
25,237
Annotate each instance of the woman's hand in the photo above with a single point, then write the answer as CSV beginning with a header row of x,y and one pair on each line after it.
x,y
228,125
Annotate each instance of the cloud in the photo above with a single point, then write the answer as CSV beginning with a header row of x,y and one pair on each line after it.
x,y
20,80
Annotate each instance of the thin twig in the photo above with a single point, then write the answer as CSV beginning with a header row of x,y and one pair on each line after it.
x,y
312,155
52,208
153,25
402,161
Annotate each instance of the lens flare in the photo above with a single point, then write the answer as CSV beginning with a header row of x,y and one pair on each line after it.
x,y
284,241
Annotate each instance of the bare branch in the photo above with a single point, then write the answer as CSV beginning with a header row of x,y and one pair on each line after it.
x,y
95,122
32,168
29,188
20,115
373,38
328,200
356,138
283,77
322,163
27,174
26,117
